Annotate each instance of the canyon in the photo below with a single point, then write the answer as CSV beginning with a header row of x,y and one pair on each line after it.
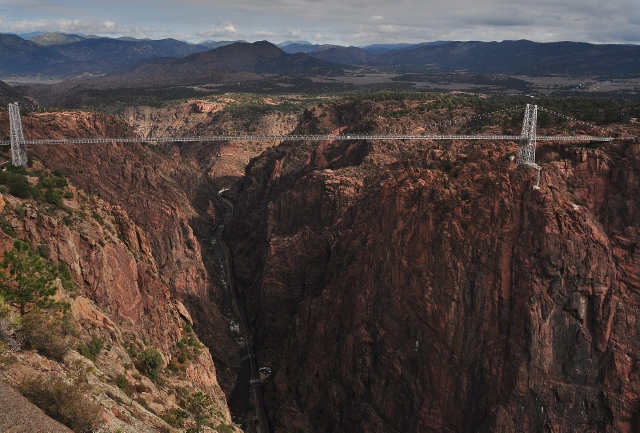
x,y
390,286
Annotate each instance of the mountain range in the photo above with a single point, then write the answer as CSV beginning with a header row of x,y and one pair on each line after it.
x,y
62,55
508,57
168,60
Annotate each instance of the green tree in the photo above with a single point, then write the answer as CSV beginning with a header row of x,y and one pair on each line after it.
x,y
27,279
199,405
150,361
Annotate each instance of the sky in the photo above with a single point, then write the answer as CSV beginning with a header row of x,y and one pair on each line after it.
x,y
343,22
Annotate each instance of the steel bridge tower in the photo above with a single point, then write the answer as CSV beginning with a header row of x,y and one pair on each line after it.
x,y
18,149
527,152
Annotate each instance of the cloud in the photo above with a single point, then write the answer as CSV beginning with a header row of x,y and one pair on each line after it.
x,y
336,21
227,30
79,26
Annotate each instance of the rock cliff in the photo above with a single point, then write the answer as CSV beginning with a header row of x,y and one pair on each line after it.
x,y
128,232
413,287
170,200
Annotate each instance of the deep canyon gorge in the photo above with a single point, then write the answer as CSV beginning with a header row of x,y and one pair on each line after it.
x,y
390,286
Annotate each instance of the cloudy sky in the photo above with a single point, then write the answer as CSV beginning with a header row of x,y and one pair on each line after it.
x,y
346,22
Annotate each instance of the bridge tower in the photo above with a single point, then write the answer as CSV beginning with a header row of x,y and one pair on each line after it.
x,y
527,152
18,149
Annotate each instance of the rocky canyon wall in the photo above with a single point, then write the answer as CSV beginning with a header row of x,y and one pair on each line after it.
x,y
128,231
403,287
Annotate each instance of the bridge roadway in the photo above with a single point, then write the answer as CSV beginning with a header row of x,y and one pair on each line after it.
x,y
317,137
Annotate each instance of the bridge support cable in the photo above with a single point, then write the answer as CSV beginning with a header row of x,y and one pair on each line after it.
x,y
18,149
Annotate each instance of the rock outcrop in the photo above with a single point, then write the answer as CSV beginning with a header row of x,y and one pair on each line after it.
x,y
404,287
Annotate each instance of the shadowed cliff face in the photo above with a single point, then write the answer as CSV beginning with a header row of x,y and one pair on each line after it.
x,y
393,297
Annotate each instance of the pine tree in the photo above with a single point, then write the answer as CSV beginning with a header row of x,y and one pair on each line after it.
x,y
27,278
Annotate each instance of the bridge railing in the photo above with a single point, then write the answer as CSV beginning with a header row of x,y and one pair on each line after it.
x,y
224,138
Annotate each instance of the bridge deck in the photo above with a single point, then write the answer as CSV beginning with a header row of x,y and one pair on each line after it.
x,y
320,137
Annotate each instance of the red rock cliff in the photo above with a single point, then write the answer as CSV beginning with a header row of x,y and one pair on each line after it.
x,y
404,287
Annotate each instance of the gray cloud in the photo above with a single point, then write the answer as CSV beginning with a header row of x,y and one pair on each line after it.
x,y
335,21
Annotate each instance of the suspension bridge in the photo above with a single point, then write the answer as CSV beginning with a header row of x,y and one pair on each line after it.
x,y
526,153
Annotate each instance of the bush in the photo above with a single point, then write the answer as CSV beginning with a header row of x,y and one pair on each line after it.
x,y
150,362
20,189
91,350
200,407
96,216
6,227
175,417
48,334
121,382
6,358
8,328
53,197
64,402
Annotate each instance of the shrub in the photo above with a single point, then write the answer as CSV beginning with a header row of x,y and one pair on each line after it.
x,y
175,417
6,358
121,382
6,227
224,428
199,405
64,402
96,216
8,327
150,361
48,334
53,197
20,189
92,349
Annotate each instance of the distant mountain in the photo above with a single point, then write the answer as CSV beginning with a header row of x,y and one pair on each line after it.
x,y
29,35
298,47
383,48
125,51
21,57
520,58
49,39
211,45
344,55
287,43
64,55
330,53
507,57
70,55
239,58
235,63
